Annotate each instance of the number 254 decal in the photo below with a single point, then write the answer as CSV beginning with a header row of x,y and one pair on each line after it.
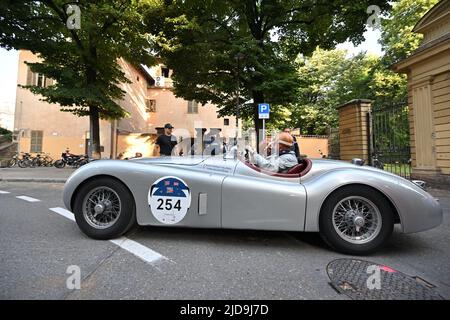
x,y
168,204
169,199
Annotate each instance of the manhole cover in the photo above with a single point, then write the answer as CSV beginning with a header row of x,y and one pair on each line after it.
x,y
365,280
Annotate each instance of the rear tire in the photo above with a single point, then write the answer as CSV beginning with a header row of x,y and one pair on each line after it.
x,y
96,225
356,220
59,164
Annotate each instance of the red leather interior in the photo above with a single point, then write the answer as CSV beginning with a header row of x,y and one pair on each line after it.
x,y
295,172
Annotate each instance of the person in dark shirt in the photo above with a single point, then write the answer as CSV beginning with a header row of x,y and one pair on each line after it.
x,y
166,142
295,147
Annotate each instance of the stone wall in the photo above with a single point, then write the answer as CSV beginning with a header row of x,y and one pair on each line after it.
x,y
353,130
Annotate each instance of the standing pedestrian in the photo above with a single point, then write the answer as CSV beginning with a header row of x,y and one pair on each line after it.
x,y
166,142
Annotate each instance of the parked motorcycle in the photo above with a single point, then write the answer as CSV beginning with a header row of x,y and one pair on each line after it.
x,y
68,159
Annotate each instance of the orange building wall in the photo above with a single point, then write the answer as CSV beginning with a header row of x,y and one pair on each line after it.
x,y
310,146
60,129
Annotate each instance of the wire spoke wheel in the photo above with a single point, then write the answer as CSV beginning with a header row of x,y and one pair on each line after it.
x,y
357,219
101,207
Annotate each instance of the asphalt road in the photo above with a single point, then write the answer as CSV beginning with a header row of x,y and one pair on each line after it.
x,y
37,246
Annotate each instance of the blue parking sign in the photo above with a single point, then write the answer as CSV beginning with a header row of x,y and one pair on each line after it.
x,y
263,110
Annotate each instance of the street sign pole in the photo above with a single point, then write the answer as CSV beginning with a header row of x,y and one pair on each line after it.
x,y
264,113
264,130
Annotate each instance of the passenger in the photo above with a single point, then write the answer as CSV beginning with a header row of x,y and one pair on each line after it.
x,y
295,147
281,162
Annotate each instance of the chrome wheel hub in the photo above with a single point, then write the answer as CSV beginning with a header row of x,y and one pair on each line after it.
x,y
101,207
357,219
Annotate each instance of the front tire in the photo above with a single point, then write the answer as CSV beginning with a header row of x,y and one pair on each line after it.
x,y
24,163
104,209
12,163
356,220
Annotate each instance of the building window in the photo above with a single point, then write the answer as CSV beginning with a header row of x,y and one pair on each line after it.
x,y
150,105
38,79
165,72
192,106
226,122
36,141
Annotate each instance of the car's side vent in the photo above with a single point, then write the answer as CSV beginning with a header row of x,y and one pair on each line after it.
x,y
202,203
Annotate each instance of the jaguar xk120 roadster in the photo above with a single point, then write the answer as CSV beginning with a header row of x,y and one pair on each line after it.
x,y
354,208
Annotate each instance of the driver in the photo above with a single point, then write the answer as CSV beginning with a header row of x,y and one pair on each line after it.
x,y
281,162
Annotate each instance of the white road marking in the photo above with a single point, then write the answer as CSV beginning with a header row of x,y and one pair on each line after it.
x,y
29,199
140,251
4,192
64,213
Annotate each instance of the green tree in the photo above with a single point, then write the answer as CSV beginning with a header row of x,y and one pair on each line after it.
x,y
397,39
5,134
201,39
328,79
83,62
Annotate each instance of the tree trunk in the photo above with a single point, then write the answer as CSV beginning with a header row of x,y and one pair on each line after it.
x,y
258,97
94,126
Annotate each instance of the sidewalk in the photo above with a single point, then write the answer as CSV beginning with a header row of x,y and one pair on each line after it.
x,y
50,174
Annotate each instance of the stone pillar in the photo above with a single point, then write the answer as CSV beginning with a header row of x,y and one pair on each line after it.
x,y
354,130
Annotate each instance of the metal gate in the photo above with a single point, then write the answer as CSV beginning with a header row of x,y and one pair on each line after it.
x,y
389,141
333,143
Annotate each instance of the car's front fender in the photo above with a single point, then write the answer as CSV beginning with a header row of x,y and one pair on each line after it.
x,y
417,209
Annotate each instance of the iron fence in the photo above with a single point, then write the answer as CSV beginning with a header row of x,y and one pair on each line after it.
x,y
389,141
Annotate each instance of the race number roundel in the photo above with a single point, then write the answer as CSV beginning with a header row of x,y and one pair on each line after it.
x,y
169,199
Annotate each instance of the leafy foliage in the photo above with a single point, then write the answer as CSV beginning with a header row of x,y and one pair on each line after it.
x,y
397,39
83,62
328,78
201,39
5,134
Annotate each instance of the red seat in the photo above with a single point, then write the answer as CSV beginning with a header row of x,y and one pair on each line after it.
x,y
297,171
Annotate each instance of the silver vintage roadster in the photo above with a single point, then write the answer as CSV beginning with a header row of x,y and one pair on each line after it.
x,y
354,208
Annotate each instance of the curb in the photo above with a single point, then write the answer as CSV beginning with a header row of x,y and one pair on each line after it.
x,y
33,180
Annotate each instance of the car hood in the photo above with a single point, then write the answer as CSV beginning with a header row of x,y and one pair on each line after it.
x,y
320,166
187,161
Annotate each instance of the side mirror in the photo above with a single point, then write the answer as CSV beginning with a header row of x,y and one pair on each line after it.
x,y
421,184
358,161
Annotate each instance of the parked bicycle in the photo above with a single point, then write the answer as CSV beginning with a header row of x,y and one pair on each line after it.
x,y
14,161
42,160
26,161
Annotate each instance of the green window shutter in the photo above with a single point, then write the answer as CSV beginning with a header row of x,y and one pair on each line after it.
x,y
36,141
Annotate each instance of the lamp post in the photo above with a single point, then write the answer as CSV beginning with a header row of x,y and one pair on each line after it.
x,y
239,57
